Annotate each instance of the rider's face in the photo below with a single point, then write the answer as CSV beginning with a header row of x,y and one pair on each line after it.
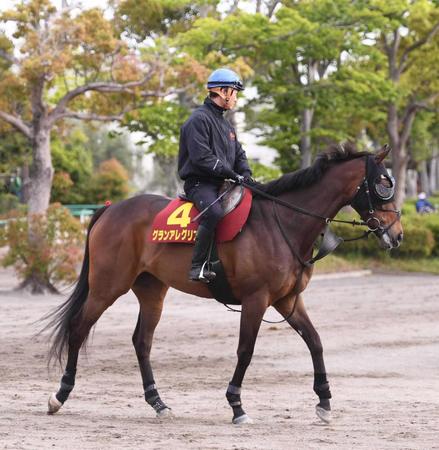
x,y
230,98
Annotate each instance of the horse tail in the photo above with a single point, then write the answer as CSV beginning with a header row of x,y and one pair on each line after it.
x,y
60,318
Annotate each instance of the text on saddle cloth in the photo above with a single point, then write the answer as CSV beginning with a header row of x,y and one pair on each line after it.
x,y
175,223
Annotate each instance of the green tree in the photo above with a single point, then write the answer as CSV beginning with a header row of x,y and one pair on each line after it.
x,y
292,61
408,36
109,183
160,128
65,66
73,166
103,143
15,150
62,248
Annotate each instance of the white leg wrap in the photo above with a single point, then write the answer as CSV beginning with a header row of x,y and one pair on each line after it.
x,y
242,420
323,414
53,405
165,414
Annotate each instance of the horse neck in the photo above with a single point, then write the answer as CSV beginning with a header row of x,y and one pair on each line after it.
x,y
324,198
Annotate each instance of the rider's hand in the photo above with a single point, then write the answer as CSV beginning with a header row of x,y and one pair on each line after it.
x,y
239,179
249,180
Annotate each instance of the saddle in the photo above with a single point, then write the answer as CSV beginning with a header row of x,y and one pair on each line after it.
x,y
176,222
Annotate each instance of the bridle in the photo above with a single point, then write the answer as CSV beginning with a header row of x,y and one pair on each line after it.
x,y
363,200
364,197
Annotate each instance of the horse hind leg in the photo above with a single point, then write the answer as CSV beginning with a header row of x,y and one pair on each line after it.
x,y
150,293
78,329
302,324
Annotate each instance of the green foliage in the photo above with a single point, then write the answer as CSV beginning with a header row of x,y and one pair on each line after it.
x,y
103,143
263,173
73,166
54,258
109,183
425,136
8,202
78,155
160,125
15,150
431,223
421,238
145,18
62,190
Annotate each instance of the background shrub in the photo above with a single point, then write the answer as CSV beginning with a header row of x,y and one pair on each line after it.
x,y
54,259
421,238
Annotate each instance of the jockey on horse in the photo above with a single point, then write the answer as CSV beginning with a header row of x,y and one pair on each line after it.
x,y
210,153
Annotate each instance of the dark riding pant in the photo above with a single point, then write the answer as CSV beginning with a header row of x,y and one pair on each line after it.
x,y
202,194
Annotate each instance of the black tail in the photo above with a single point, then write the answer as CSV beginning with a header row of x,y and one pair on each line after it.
x,y
61,317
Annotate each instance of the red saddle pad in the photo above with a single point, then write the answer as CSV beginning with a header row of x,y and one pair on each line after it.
x,y
174,223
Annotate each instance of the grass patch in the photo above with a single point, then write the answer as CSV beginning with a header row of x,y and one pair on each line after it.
x,y
335,263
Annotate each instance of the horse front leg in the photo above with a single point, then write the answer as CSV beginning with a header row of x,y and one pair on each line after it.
x,y
251,316
150,293
302,324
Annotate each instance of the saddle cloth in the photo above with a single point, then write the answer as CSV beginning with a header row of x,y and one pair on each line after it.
x,y
175,223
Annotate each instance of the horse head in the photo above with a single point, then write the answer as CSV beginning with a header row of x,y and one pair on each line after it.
x,y
374,201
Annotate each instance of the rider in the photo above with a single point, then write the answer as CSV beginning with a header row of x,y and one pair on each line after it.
x,y
210,153
423,206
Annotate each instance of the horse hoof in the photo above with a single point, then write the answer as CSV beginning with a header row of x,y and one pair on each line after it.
x,y
53,405
241,420
323,414
165,413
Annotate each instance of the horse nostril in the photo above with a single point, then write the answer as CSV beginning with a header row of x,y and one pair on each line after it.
x,y
400,237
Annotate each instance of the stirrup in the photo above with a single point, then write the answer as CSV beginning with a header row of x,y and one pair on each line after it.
x,y
205,276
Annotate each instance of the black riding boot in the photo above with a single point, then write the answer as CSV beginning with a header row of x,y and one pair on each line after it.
x,y
201,249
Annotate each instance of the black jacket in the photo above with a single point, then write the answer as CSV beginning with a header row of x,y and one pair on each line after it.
x,y
208,146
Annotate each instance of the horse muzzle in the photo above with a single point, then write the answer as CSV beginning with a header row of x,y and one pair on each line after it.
x,y
389,240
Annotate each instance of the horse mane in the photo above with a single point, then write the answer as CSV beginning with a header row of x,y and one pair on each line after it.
x,y
306,177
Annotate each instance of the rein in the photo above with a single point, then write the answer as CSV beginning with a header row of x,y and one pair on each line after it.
x,y
300,210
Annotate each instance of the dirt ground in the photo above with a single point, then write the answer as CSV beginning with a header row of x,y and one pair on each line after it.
x,y
381,339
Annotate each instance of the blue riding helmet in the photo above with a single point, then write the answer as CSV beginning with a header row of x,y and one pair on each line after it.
x,y
225,78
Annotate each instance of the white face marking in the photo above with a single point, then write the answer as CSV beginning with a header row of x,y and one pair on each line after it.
x,y
386,239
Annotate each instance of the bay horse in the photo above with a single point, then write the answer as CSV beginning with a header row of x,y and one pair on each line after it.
x,y
262,270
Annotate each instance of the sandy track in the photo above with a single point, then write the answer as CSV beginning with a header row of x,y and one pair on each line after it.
x,y
381,339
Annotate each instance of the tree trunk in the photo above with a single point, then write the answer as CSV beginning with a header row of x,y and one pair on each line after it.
x,y
398,141
25,187
305,138
37,284
41,173
306,119
423,177
412,183
437,172
399,171
434,172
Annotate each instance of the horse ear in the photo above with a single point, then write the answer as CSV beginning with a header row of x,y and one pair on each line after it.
x,y
382,154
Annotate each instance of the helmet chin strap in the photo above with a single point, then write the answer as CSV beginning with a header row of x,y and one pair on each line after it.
x,y
225,98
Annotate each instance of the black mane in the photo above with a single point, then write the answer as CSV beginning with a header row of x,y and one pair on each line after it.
x,y
306,177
